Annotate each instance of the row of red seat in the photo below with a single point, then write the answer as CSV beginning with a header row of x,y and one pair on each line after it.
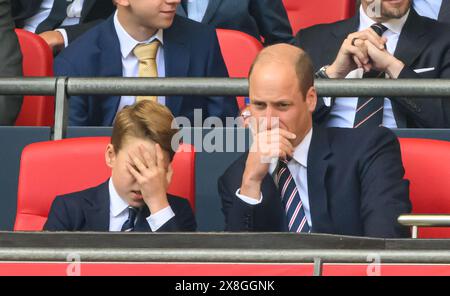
x,y
48,169
38,59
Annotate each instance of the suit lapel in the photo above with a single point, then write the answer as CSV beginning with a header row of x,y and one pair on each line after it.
x,y
176,60
87,6
319,151
211,10
339,33
268,186
413,39
181,9
97,211
110,64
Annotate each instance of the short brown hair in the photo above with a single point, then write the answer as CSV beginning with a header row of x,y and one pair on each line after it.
x,y
303,68
146,120
305,72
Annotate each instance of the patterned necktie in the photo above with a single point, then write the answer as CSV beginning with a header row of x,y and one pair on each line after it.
x,y
57,15
137,220
369,111
146,54
129,224
444,13
290,198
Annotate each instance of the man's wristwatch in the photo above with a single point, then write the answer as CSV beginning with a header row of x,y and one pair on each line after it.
x,y
322,72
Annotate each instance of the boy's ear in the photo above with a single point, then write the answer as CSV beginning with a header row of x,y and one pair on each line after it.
x,y
169,174
110,155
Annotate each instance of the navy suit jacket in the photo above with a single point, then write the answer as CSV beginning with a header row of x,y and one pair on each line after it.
x,y
266,18
190,50
355,187
88,210
423,44
92,13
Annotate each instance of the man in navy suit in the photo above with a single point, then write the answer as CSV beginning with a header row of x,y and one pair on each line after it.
x,y
187,49
410,47
258,18
302,178
135,197
60,22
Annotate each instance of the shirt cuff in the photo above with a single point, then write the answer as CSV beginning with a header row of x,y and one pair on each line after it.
x,y
64,34
247,199
160,218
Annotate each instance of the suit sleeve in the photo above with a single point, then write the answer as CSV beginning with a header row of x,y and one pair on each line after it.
x,y
11,64
75,31
78,105
272,20
425,112
58,217
184,219
238,214
219,106
384,192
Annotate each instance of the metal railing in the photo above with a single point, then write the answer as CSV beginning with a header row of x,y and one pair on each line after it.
x,y
253,248
428,88
423,220
62,87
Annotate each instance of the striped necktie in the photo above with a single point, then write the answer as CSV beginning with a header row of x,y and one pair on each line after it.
x,y
369,111
137,220
57,15
290,198
129,224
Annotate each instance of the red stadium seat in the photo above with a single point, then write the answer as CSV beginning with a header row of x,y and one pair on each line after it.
x,y
238,50
49,169
304,13
37,61
427,166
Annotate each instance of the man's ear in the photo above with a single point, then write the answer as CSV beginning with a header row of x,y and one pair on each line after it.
x,y
110,155
311,99
121,2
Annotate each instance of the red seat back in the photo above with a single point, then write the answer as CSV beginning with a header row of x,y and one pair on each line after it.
x,y
239,50
427,166
304,13
37,61
49,169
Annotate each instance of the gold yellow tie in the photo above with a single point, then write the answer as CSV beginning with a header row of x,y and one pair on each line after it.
x,y
146,54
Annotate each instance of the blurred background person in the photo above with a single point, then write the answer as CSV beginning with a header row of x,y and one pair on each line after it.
x,y
60,22
258,18
11,64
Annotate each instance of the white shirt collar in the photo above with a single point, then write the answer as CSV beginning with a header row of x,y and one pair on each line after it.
x,y
300,153
128,43
394,25
116,204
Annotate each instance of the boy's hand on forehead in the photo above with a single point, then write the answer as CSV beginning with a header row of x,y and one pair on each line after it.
x,y
147,166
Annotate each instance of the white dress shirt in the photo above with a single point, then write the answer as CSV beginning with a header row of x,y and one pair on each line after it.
x,y
344,110
298,166
73,16
130,63
197,9
118,212
428,8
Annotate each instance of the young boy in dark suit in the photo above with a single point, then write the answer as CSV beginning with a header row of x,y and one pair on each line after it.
x,y
135,197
